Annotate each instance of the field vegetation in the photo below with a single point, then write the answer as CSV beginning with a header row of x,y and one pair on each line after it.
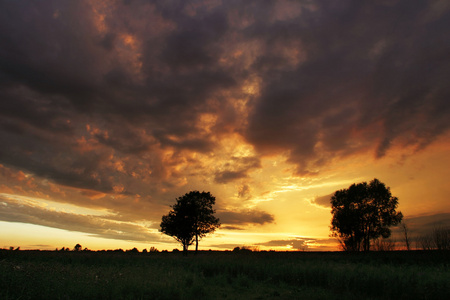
x,y
224,275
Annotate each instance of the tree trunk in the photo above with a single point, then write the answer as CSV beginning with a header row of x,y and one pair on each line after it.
x,y
405,234
196,243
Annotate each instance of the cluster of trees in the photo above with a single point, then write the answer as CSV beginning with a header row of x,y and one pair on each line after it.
x,y
362,214
76,248
79,248
362,217
245,249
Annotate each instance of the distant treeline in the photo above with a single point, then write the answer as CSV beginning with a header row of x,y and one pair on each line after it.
x,y
436,239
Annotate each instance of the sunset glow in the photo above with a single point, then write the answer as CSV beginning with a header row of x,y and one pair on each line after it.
x,y
110,110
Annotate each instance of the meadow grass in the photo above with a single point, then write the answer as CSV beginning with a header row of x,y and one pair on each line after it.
x,y
224,275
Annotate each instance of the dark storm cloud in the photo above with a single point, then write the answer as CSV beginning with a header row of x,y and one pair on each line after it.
x,y
60,72
334,79
373,74
53,156
193,45
49,54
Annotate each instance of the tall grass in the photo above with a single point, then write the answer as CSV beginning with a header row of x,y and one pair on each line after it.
x,y
225,275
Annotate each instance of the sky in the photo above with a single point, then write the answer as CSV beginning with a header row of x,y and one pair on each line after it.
x,y
111,109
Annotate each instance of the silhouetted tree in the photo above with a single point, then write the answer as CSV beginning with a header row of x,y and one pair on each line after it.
x,y
153,249
77,247
362,213
405,231
191,218
437,239
441,238
424,242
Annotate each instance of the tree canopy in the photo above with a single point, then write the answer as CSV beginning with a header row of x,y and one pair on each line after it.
x,y
362,213
191,218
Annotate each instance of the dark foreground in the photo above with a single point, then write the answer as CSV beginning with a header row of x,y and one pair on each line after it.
x,y
224,275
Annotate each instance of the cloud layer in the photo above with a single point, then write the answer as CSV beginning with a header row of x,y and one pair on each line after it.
x,y
124,105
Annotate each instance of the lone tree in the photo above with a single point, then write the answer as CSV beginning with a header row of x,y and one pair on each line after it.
x,y
362,213
191,218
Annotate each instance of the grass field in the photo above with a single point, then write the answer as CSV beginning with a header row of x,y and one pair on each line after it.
x,y
224,275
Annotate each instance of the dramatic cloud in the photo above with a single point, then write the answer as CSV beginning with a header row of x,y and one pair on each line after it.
x,y
97,225
125,105
328,80
361,85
